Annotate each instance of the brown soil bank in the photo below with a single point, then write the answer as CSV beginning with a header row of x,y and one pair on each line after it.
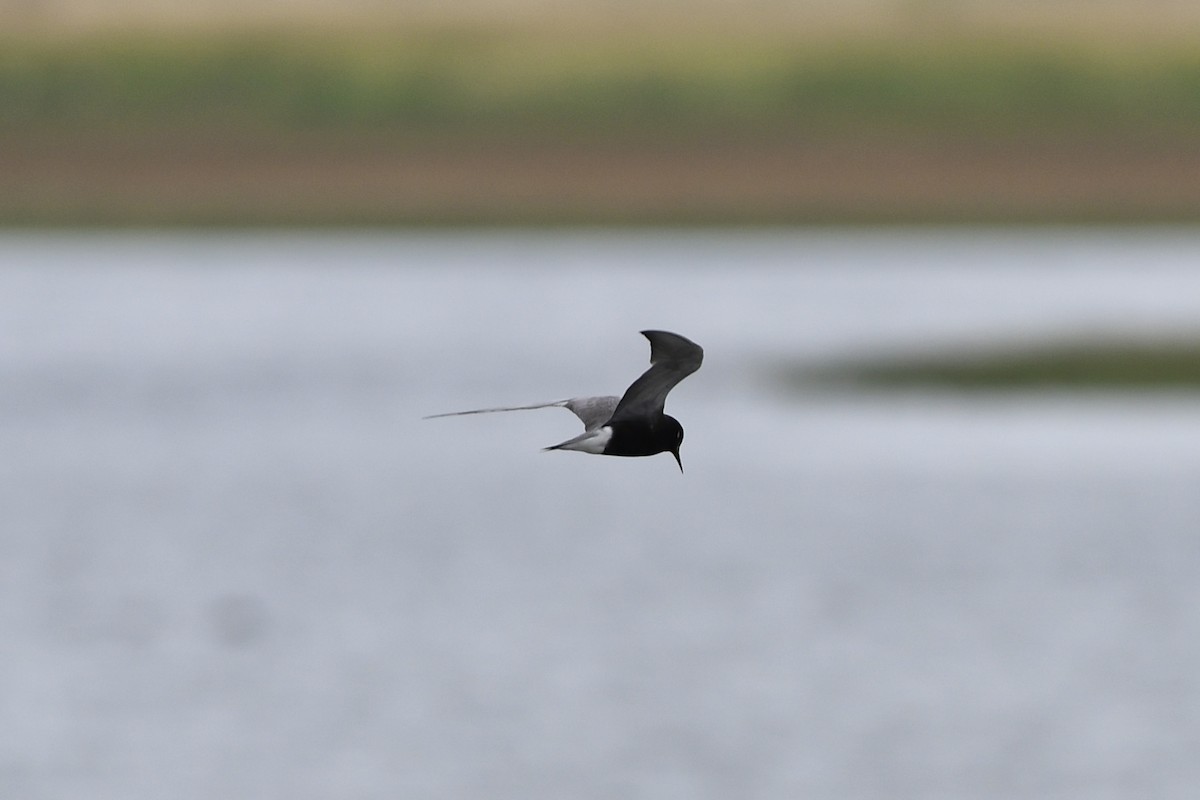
x,y
376,179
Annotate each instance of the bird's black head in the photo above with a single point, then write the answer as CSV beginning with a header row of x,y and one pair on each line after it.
x,y
671,437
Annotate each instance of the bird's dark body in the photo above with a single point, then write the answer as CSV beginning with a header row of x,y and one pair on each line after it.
x,y
645,438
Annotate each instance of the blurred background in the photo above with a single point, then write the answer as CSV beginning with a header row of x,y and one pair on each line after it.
x,y
937,533
499,111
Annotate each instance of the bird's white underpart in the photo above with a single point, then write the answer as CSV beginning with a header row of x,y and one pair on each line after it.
x,y
593,441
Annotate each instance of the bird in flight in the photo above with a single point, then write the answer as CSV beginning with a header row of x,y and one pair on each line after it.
x,y
633,424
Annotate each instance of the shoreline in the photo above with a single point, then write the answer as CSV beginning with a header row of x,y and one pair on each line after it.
x,y
87,179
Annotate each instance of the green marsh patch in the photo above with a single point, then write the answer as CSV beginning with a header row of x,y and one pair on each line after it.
x,y
1074,365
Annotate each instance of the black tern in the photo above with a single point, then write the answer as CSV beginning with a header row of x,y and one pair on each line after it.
x,y
633,424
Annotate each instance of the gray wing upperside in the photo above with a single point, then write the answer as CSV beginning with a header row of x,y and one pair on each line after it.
x,y
592,411
672,358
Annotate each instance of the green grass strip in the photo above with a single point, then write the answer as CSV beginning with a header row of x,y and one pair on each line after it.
x,y
448,78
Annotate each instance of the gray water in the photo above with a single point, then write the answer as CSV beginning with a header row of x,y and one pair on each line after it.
x,y
234,561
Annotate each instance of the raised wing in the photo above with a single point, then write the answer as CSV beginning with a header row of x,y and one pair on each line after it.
x,y
592,411
672,358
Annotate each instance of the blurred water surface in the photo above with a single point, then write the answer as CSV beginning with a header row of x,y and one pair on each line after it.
x,y
235,562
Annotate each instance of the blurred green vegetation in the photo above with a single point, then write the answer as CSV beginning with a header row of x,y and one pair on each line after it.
x,y
529,123
447,78
1098,364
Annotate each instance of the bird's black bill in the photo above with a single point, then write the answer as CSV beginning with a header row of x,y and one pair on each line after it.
x,y
678,460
